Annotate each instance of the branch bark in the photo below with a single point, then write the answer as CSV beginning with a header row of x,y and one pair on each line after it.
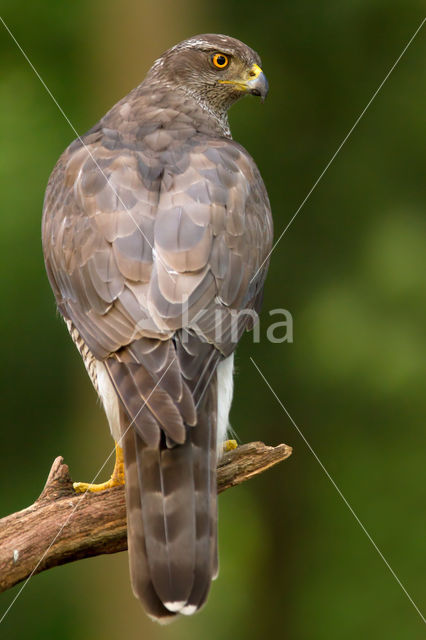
x,y
63,526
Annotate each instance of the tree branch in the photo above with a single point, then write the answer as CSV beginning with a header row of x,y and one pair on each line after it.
x,y
63,526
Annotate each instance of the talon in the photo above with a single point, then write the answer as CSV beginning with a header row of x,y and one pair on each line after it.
x,y
117,477
82,487
229,445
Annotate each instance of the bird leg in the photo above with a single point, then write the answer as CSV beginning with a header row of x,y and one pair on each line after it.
x,y
117,477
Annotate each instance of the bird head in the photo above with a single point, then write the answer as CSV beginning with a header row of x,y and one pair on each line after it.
x,y
215,69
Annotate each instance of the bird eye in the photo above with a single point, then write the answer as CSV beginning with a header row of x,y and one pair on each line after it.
x,y
220,60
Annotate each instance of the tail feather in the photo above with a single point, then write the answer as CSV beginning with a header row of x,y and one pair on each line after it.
x,y
171,499
204,443
139,570
167,497
168,394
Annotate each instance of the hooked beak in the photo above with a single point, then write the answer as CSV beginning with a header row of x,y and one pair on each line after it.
x,y
258,85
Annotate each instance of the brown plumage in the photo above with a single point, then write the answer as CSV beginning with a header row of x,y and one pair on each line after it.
x,y
155,224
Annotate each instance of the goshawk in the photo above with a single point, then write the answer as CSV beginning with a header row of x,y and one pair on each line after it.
x,y
156,226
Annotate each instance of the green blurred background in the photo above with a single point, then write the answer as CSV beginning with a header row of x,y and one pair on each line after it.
x,y
351,269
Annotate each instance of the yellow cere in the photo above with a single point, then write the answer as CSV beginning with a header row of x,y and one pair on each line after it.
x,y
241,84
255,71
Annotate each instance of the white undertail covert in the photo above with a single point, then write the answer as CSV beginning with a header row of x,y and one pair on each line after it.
x,y
225,390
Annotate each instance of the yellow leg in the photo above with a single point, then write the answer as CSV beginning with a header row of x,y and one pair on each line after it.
x,y
116,479
229,445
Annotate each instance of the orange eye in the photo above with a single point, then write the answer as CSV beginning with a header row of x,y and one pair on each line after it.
x,y
220,60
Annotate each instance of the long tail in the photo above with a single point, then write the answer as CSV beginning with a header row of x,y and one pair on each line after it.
x,y
171,498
